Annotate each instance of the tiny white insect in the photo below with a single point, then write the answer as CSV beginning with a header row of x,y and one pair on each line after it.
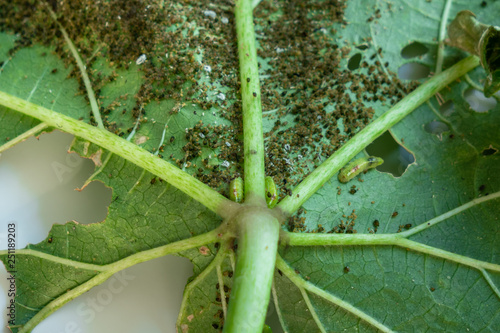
x,y
142,59
228,144
287,147
201,135
221,96
224,20
207,68
209,13
225,164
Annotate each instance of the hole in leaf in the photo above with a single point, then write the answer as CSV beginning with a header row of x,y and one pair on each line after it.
x,y
413,50
437,128
489,151
363,46
478,102
413,71
51,175
396,157
354,62
447,108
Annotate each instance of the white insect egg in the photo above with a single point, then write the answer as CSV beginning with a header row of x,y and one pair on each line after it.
x,y
201,135
228,144
207,68
209,13
142,59
225,164
221,96
224,20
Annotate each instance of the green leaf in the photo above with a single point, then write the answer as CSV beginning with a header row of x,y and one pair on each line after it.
x,y
327,70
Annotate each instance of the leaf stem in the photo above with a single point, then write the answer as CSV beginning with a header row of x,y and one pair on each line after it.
x,y
299,239
82,68
290,273
202,193
108,270
29,133
442,36
215,263
256,256
326,170
447,215
251,102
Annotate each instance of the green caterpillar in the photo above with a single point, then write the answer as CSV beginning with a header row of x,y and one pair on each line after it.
x,y
271,192
236,191
354,168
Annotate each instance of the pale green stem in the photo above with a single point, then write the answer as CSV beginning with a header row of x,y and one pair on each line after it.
x,y
252,108
257,247
255,3
490,282
127,150
215,263
450,213
310,307
301,283
257,229
442,36
83,71
478,87
20,138
298,239
106,271
222,293
334,163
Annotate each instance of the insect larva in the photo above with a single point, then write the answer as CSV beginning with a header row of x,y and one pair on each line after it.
x,y
356,167
236,190
271,192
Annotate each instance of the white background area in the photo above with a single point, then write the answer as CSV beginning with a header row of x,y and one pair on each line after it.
x,y
38,179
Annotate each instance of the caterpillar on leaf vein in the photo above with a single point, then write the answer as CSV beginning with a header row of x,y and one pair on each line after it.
x,y
354,168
